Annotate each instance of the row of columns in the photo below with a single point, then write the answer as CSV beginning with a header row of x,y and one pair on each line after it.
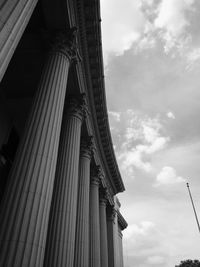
x,y
51,214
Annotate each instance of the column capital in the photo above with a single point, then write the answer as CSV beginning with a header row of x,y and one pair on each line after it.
x,y
87,147
95,180
96,175
103,197
64,41
112,214
77,107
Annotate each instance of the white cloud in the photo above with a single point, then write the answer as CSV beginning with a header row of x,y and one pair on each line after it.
x,y
131,133
150,133
158,144
171,16
143,23
168,176
146,132
147,2
193,56
155,260
172,21
122,25
142,244
146,42
115,115
130,159
144,129
133,230
171,115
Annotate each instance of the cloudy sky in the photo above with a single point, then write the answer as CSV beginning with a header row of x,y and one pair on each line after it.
x,y
152,72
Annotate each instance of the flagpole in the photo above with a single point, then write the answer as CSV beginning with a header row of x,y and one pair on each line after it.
x,y
193,207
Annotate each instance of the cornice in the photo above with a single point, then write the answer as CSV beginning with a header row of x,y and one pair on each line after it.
x,y
88,16
121,221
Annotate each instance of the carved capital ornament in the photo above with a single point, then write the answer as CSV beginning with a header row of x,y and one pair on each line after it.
x,y
96,175
103,197
87,147
64,41
77,107
112,215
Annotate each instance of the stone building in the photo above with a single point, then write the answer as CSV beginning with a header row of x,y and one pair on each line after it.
x,y
58,173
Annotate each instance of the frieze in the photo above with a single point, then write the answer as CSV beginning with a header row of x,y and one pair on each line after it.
x,y
96,90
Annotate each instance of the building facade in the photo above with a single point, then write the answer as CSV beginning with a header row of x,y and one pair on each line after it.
x,y
58,173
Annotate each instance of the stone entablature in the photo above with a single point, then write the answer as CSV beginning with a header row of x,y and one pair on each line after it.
x,y
121,221
91,50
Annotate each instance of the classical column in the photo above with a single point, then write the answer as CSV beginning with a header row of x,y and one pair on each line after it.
x,y
81,254
121,225
103,230
111,216
116,229
95,260
121,262
15,15
61,232
26,205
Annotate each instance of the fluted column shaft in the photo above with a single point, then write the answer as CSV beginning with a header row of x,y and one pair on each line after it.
x,y
103,232
121,249
110,231
116,241
81,254
25,208
61,233
95,260
15,15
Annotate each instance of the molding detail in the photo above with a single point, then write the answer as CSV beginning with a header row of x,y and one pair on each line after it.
x,y
112,214
77,107
91,51
64,41
87,147
96,175
95,180
103,197
121,221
